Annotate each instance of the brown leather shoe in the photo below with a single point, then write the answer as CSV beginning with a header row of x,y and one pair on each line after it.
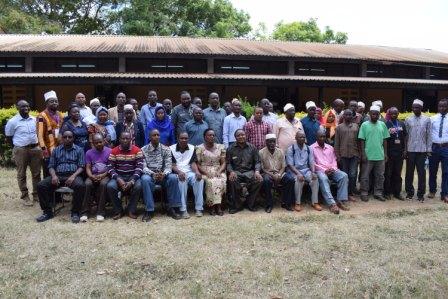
x,y
117,216
132,215
342,206
316,206
298,207
431,195
352,198
334,209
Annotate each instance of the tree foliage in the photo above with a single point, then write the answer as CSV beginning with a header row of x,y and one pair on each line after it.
x,y
308,32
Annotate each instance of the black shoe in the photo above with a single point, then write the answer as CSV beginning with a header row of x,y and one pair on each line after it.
x,y
233,211
379,197
75,218
147,217
268,209
399,197
409,197
365,198
252,209
287,207
44,217
173,214
421,199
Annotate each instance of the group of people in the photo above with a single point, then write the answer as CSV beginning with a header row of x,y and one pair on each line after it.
x,y
126,152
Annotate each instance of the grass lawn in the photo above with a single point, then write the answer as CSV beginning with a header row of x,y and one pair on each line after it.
x,y
391,249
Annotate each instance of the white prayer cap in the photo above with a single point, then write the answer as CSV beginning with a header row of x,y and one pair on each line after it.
x,y
378,103
270,136
375,108
310,104
288,106
50,95
95,100
235,100
418,102
361,104
128,107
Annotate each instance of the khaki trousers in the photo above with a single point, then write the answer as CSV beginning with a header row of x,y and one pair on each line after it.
x,y
27,157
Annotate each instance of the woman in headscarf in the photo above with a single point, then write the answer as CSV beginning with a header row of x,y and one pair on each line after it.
x,y
319,115
131,125
163,124
330,125
78,127
103,126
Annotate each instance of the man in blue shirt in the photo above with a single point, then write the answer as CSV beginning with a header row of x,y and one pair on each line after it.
x,y
214,116
196,127
233,122
148,111
66,166
310,123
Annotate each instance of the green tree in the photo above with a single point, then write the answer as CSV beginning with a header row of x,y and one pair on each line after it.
x,y
215,18
16,21
308,32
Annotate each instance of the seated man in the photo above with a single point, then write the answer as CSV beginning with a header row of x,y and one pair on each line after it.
x,y
243,165
300,161
97,177
157,170
273,166
65,166
184,165
327,170
125,168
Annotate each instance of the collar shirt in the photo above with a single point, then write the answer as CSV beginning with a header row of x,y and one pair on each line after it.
x,y
156,159
183,160
286,132
196,131
256,133
346,140
301,158
243,158
439,130
270,119
148,113
419,134
84,112
324,158
215,120
22,130
272,163
310,126
65,161
231,124
180,116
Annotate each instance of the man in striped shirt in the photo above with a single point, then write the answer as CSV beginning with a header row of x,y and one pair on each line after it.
x,y
125,169
256,129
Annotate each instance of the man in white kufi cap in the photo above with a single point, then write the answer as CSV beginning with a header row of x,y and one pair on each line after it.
x,y
310,123
286,127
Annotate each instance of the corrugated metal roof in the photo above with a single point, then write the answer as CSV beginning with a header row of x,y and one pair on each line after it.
x,y
211,47
219,77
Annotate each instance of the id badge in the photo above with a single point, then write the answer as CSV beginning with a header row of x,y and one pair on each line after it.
x,y
56,133
397,141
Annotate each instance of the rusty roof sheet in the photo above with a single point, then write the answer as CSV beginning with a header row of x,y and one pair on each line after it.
x,y
220,77
211,47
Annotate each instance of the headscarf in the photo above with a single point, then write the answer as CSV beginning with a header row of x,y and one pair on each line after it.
x,y
109,125
319,115
330,125
163,124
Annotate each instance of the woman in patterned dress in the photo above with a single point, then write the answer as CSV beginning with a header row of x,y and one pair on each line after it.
x,y
103,126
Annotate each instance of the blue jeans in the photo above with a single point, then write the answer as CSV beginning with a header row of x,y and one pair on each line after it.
x,y
112,191
169,183
198,190
439,155
341,179
350,167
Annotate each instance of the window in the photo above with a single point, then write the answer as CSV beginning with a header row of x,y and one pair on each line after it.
x,y
327,69
439,73
49,64
251,67
12,64
148,65
395,71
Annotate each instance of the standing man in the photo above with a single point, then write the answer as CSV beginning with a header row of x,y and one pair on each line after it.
x,y
439,134
65,167
373,135
196,127
233,122
357,117
310,124
182,113
84,110
94,105
273,166
116,114
20,132
243,165
300,161
286,128
125,169
184,165
49,122
338,105
227,106
419,147
346,148
148,111
168,105
268,117
134,104
214,116
197,102
256,129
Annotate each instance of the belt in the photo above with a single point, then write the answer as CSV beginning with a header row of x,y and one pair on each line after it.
x,y
440,144
30,145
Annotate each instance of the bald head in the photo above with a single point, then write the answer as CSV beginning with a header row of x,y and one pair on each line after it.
x,y
80,99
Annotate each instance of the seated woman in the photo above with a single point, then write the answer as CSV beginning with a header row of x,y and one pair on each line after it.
x,y
165,127
103,126
132,126
211,162
78,127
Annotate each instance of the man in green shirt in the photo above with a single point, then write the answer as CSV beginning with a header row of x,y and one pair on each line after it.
x,y
373,135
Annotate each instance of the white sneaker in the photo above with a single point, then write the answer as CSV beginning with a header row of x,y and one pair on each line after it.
x,y
83,218
99,218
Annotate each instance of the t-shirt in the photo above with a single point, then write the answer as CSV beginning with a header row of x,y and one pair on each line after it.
x,y
374,134
98,160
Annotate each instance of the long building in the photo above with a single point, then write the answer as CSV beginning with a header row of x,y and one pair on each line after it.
x,y
101,66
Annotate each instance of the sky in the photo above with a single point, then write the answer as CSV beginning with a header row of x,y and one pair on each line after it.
x,y
411,23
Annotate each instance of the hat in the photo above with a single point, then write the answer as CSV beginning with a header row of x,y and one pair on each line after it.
x,y
288,106
361,104
128,107
50,95
234,100
270,136
310,104
95,100
418,102
378,103
375,108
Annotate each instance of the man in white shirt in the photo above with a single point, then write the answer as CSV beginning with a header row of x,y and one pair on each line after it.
x,y
21,133
268,116
232,123
84,110
184,165
439,137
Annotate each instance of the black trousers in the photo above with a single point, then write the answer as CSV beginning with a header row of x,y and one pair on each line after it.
x,y
393,180
287,189
415,160
45,190
253,187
